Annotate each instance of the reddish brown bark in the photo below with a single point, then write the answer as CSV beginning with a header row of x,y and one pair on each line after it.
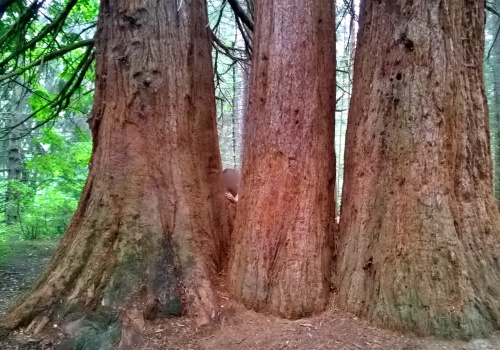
x,y
151,225
281,257
419,244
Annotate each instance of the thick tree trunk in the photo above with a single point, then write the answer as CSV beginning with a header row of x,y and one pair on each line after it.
x,y
419,244
283,236
150,229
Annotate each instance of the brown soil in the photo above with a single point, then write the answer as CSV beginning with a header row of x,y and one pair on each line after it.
x,y
238,329
21,262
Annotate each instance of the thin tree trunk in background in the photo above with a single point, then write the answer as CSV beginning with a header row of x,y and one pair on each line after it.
x,y
221,130
14,171
150,229
15,157
281,258
495,61
243,104
339,167
352,32
419,244
234,118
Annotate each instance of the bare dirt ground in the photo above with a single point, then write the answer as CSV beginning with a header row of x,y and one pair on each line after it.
x,y
238,329
241,329
21,262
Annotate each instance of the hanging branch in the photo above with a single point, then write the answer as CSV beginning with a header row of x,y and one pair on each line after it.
x,y
493,11
245,26
219,19
54,26
493,43
61,101
52,55
246,37
4,5
225,50
241,14
29,44
490,8
22,22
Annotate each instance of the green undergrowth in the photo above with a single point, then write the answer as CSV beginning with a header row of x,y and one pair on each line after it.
x,y
13,249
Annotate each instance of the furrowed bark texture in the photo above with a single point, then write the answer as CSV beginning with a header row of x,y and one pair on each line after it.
x,y
14,160
151,220
280,262
419,235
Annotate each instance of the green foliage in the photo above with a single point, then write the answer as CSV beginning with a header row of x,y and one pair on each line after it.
x,y
46,93
48,200
47,48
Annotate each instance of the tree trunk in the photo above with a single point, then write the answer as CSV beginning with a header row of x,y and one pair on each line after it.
x,y
150,228
419,243
242,105
495,60
234,117
15,156
14,172
283,236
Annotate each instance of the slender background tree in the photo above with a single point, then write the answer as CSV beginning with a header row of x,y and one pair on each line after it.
x,y
492,75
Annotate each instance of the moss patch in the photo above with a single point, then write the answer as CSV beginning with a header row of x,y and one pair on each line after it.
x,y
100,331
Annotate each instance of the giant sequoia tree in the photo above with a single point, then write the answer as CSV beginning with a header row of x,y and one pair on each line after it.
x,y
283,236
149,230
420,232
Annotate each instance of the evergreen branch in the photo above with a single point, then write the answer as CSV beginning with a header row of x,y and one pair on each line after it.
x,y
220,47
493,44
247,40
492,10
50,56
55,25
61,101
4,5
219,19
241,14
22,21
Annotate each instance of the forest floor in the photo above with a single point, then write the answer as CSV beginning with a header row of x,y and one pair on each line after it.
x,y
21,262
